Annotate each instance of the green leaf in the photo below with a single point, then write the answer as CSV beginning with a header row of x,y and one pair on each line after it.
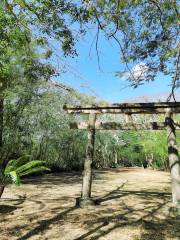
x,y
14,177
15,163
29,166
38,169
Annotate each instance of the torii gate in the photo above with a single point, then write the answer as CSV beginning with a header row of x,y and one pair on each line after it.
x,y
166,108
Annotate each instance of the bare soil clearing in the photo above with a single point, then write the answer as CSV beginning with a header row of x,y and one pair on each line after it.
x,y
133,206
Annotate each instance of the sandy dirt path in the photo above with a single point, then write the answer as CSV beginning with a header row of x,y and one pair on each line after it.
x,y
133,205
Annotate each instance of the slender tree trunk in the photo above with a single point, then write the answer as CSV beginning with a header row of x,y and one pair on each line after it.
x,y
1,123
174,162
87,174
2,162
1,190
115,158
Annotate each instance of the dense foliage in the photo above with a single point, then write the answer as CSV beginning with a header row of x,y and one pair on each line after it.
x,y
32,120
40,128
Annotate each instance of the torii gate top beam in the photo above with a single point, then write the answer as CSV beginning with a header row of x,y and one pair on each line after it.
x,y
126,108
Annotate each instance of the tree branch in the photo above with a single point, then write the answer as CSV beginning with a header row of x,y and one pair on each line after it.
x,y
175,78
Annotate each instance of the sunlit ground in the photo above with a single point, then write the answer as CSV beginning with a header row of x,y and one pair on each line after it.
x,y
133,205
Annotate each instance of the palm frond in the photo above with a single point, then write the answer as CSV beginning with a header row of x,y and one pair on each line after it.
x,y
20,167
30,165
14,177
15,163
38,169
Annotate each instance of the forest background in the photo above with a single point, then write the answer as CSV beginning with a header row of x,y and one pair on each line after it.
x,y
32,95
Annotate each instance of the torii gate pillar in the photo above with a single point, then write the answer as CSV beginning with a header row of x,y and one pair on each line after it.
x,y
174,162
87,173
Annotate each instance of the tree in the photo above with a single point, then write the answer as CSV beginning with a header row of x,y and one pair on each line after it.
x,y
28,24
53,19
147,33
20,63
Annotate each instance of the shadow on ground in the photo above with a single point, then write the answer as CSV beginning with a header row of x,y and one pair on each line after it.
x,y
44,224
4,209
121,213
152,227
143,216
55,179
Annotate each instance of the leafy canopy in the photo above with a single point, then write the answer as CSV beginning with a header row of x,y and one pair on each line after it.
x,y
146,31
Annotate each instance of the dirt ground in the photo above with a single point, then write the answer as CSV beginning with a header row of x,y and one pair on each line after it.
x,y
133,205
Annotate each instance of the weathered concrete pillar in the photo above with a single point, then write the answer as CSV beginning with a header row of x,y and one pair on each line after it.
x,y
87,173
174,162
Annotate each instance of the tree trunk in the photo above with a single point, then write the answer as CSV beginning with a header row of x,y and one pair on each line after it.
x,y
1,124
174,162
87,174
115,158
2,162
1,190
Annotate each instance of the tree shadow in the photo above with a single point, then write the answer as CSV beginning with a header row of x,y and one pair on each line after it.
x,y
91,231
54,179
75,177
44,224
107,218
155,228
117,193
5,209
161,229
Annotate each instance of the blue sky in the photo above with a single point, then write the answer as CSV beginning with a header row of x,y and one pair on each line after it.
x,y
84,74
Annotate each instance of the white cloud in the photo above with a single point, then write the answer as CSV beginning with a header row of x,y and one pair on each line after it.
x,y
139,71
